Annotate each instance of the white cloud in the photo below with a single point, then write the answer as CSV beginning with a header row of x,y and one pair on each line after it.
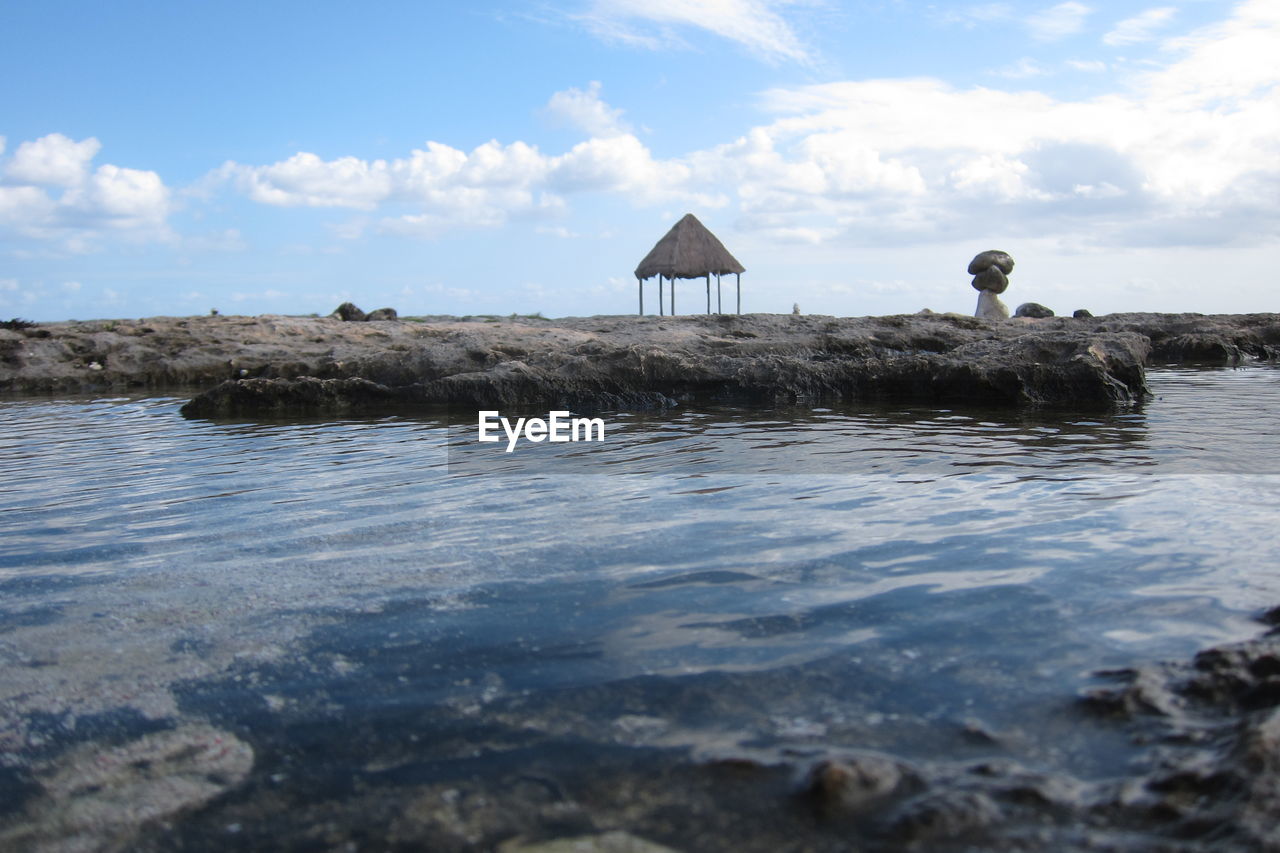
x,y
972,16
587,112
445,187
1189,154
479,186
25,206
1092,66
1022,69
50,193
1058,22
620,164
754,24
1139,28
1000,177
52,160
305,179
121,197
1228,64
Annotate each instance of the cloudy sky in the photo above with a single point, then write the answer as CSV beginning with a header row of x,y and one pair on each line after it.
x,y
498,157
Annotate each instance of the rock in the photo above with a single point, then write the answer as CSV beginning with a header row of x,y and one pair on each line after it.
x,y
990,307
1081,313
619,362
1196,347
795,308
349,312
1033,309
991,258
382,314
97,797
616,841
1215,723
282,396
991,279
856,784
944,815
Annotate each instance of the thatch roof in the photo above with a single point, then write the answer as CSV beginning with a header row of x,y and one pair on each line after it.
x,y
688,250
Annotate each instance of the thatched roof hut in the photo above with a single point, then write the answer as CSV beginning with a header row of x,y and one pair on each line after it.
x,y
688,250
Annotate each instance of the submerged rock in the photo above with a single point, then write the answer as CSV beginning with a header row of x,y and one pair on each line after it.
x,y
263,396
1215,723
858,783
98,797
608,842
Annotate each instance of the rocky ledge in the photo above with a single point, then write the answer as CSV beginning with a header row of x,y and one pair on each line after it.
x,y
1207,776
286,365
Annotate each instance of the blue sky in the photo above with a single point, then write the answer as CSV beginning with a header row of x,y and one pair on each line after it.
x,y
493,157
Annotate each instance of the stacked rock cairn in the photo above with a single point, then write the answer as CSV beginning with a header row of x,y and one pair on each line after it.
x,y
990,271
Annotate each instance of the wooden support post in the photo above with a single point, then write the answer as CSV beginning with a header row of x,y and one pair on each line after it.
x,y
719,304
659,294
673,296
739,277
640,287
708,293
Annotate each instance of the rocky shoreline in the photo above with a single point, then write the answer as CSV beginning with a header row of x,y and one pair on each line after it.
x,y
294,365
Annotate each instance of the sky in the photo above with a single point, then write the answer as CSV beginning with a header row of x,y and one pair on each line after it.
x,y
162,158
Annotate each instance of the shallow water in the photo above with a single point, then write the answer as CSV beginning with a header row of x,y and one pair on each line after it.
x,y
374,603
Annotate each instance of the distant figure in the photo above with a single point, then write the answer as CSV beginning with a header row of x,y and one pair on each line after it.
x,y
213,312
795,307
990,271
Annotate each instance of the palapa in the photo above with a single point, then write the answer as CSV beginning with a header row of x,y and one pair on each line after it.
x,y
688,250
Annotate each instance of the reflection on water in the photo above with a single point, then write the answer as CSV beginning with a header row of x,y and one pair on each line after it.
x,y
897,441
716,578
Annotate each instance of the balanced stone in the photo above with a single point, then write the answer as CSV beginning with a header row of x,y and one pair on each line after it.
x,y
991,258
990,307
1033,309
992,278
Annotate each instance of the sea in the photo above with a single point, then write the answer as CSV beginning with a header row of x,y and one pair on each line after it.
x,y
416,632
